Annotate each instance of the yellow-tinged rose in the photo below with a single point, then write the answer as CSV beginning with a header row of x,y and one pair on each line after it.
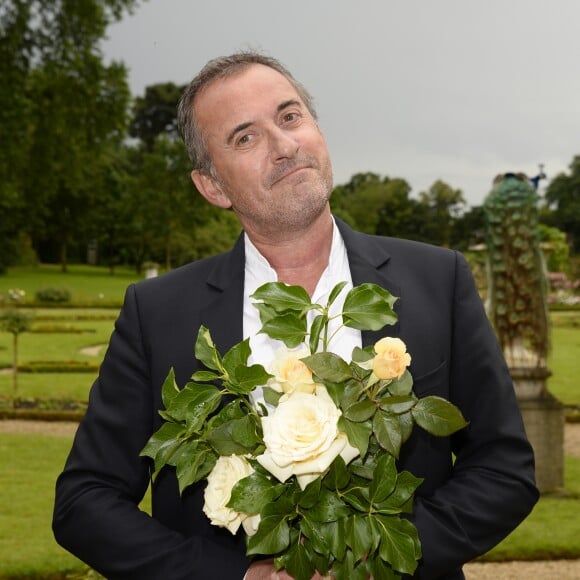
x,y
225,474
291,375
391,359
302,437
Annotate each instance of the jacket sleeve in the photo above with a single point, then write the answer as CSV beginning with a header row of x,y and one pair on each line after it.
x,y
492,485
96,514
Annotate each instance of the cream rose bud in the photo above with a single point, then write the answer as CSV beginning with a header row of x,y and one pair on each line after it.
x,y
391,358
302,437
225,474
291,375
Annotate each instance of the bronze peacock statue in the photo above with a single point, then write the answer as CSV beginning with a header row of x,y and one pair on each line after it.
x,y
517,282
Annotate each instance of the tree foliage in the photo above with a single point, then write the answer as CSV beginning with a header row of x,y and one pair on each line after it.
x,y
563,197
62,108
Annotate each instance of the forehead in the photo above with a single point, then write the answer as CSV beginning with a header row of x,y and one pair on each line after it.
x,y
243,97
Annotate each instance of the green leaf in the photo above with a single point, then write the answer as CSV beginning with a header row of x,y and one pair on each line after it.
x,y
298,563
344,394
251,493
406,425
266,312
438,416
167,435
334,536
328,508
358,433
247,379
194,403
402,386
271,396
272,536
337,476
361,355
307,498
381,570
358,498
235,437
360,411
368,307
398,404
384,478
169,389
403,493
283,297
205,376
399,542
206,351
194,464
387,430
359,535
328,367
315,330
237,356
335,292
289,328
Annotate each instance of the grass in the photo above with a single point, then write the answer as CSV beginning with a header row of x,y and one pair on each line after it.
x,y
564,361
88,285
30,465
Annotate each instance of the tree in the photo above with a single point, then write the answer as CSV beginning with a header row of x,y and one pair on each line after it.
x,y
68,107
15,322
445,204
360,201
401,216
155,113
563,196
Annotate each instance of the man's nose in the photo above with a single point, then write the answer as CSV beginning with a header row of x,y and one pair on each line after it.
x,y
282,144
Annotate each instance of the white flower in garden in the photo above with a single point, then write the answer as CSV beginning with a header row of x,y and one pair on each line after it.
x,y
302,437
291,375
225,474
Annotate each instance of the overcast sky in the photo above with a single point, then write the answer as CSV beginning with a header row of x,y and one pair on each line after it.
x,y
457,90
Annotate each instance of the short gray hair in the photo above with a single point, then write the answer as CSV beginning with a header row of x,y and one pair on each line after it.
x,y
216,69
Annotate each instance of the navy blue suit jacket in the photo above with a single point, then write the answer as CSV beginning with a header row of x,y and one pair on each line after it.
x,y
462,508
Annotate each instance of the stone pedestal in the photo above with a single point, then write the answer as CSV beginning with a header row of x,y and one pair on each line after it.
x,y
544,419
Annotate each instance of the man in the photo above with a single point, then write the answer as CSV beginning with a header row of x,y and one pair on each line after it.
x,y
252,135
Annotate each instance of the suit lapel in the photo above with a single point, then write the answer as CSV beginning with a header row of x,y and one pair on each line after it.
x,y
368,260
223,314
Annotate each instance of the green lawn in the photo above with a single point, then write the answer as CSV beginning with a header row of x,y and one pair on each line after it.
x,y
30,465
88,285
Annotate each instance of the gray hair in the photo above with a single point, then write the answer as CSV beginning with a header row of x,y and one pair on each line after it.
x,y
216,69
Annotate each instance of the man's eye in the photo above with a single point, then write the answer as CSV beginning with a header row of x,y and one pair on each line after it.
x,y
290,117
244,139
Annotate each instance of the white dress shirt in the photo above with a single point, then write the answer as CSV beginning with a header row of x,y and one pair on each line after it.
x,y
258,271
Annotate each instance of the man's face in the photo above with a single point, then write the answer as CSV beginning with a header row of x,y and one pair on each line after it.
x,y
270,158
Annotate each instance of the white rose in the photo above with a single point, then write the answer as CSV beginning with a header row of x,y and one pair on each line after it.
x,y
290,373
302,437
225,474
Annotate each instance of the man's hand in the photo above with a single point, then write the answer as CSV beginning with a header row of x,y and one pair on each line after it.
x,y
264,570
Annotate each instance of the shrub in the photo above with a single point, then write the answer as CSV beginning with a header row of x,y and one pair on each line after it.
x,y
54,295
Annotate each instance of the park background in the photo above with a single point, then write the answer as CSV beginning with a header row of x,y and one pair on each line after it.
x,y
422,106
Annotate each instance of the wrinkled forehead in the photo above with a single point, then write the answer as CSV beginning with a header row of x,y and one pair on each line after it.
x,y
238,97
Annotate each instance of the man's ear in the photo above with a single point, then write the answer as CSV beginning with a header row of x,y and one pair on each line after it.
x,y
210,189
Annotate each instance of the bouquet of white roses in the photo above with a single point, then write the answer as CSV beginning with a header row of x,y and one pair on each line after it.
x,y
313,482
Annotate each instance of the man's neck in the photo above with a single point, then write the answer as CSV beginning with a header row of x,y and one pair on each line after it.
x,y
301,256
